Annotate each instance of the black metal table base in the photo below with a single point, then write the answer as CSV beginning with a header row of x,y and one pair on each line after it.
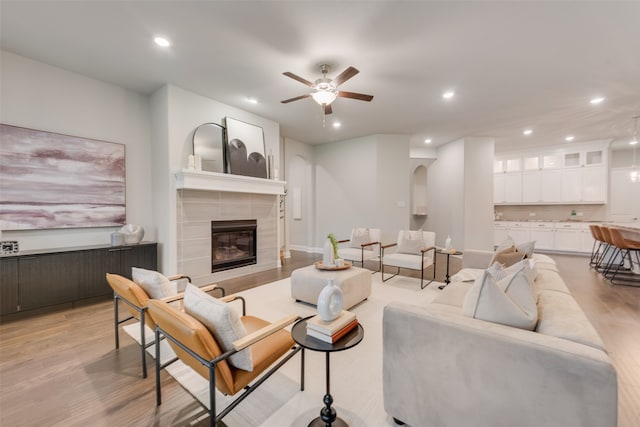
x,y
317,422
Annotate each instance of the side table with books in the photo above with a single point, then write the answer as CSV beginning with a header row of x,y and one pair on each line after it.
x,y
341,334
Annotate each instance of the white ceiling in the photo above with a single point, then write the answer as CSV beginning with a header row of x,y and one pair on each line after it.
x,y
512,64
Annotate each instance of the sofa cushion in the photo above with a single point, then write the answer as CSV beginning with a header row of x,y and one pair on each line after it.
x,y
156,285
549,280
509,301
560,316
453,294
221,320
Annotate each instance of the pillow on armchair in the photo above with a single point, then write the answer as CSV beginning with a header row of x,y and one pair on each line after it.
x,y
411,242
155,284
360,236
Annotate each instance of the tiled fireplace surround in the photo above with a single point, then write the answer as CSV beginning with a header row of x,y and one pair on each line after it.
x,y
197,207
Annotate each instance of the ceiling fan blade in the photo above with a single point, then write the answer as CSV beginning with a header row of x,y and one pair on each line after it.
x,y
345,75
327,109
286,101
298,78
353,95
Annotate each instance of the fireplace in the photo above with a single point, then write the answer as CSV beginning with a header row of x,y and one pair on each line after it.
x,y
233,244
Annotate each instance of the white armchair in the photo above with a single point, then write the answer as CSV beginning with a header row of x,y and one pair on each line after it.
x,y
364,245
414,250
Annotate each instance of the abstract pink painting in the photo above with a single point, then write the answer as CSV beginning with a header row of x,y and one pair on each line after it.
x,y
49,180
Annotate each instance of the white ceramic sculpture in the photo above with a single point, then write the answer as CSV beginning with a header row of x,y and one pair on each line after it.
x,y
132,234
330,302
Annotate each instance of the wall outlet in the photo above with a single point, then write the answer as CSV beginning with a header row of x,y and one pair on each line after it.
x,y
579,214
401,204
532,214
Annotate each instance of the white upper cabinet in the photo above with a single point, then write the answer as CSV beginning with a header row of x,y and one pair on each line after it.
x,y
555,176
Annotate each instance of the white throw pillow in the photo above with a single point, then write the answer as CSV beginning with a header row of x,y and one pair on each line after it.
x,y
497,271
221,320
411,242
154,284
360,236
527,248
509,301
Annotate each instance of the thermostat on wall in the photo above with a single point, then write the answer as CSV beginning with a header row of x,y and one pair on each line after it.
x,y
8,247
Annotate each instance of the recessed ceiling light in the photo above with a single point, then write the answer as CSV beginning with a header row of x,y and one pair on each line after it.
x,y
427,141
569,138
527,132
448,94
161,41
252,100
337,124
597,100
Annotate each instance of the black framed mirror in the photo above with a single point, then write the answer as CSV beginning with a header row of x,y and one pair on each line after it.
x,y
208,143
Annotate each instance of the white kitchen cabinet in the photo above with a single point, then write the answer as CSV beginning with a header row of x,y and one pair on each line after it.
x,y
507,187
568,237
584,185
571,185
550,188
586,239
543,234
519,232
531,187
500,230
594,184
625,196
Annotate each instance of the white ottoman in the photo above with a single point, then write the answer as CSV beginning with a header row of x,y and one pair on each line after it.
x,y
307,282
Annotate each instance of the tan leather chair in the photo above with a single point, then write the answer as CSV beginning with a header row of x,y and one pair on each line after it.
x,y
625,247
135,299
196,347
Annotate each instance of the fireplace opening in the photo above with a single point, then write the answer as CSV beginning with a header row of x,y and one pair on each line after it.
x,y
233,244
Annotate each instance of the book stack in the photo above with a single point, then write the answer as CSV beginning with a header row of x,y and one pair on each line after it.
x,y
334,330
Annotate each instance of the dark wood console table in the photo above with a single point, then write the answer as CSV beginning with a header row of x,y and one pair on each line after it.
x,y
35,279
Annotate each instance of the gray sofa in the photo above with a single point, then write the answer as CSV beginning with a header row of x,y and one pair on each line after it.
x,y
441,368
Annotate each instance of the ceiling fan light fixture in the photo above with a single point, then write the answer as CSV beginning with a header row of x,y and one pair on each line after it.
x,y
324,97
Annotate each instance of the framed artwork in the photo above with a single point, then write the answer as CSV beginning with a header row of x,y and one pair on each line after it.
x,y
49,180
245,149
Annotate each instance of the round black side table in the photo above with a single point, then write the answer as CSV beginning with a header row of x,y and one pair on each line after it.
x,y
448,254
328,416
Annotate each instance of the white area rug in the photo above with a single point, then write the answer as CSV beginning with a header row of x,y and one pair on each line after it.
x,y
356,374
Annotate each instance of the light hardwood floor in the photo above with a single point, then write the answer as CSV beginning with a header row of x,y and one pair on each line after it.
x,y
61,368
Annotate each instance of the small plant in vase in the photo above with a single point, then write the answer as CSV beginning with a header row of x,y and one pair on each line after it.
x,y
334,243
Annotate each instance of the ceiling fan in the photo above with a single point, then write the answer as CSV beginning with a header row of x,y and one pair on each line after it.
x,y
325,90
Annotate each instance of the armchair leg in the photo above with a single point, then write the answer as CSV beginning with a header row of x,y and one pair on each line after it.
x,y
158,391
115,320
143,346
391,277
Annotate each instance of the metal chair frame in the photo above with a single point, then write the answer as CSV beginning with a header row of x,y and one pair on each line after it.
x,y
216,419
423,251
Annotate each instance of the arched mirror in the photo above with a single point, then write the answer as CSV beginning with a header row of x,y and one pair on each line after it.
x,y
208,143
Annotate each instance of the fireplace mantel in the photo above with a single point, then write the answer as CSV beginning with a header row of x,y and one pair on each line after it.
x,y
188,179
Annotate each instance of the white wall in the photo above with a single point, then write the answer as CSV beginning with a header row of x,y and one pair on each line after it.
x,y
300,176
39,96
478,193
178,112
460,194
445,194
362,182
